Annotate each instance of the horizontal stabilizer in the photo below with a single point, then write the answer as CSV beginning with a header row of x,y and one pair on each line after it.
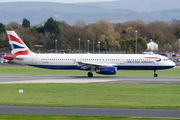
x,y
11,57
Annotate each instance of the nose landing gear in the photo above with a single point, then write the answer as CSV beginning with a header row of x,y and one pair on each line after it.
x,y
155,75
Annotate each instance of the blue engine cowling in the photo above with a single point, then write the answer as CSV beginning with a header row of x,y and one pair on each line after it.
x,y
107,70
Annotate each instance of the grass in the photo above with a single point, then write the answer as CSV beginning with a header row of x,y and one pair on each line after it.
x,y
23,70
63,117
92,95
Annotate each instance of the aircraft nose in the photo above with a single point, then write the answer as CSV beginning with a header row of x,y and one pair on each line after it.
x,y
173,64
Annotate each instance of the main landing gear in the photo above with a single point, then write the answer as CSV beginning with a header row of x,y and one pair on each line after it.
x,y
155,75
90,74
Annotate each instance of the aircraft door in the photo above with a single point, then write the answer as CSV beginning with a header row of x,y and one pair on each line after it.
x,y
79,59
122,60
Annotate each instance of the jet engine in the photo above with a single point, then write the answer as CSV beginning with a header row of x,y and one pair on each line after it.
x,y
107,70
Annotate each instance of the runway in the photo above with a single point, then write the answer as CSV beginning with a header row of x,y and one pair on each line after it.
x,y
10,79
153,113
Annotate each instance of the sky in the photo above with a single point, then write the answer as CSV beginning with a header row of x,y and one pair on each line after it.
x,y
60,1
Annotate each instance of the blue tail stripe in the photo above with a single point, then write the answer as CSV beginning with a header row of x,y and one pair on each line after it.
x,y
16,46
10,47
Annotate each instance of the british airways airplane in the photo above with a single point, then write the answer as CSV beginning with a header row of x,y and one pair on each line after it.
x,y
106,64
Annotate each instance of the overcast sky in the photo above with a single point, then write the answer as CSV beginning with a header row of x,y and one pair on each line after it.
x,y
60,1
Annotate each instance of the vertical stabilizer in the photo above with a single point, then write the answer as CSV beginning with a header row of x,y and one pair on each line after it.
x,y
16,44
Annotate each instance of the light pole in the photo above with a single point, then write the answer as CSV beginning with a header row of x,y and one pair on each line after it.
x,y
88,45
56,45
178,46
136,41
93,45
99,46
79,45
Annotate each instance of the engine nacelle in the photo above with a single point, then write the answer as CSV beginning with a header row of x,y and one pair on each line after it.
x,y
107,70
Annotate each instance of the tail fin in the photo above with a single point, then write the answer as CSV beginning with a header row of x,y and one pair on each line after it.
x,y
16,44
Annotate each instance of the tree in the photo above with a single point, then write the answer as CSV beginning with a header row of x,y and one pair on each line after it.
x,y
2,28
176,31
26,23
175,22
142,45
104,32
134,23
52,26
165,27
129,44
121,28
80,23
142,31
38,29
51,32
130,33
3,41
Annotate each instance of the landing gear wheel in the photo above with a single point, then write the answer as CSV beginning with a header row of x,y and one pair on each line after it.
x,y
155,75
90,74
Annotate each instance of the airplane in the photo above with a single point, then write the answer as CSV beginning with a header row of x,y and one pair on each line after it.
x,y
106,64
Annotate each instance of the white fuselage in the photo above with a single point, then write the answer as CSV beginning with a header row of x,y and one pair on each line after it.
x,y
121,61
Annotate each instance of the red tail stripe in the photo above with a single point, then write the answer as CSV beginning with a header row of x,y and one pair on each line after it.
x,y
26,52
12,38
8,57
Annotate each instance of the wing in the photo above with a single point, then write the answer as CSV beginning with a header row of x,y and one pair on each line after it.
x,y
89,65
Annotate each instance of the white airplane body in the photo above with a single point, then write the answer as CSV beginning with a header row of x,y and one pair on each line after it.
x,y
106,64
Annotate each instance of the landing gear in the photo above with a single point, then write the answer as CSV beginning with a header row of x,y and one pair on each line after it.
x,y
90,74
155,75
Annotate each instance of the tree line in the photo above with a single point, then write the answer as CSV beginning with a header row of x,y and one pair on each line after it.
x,y
112,37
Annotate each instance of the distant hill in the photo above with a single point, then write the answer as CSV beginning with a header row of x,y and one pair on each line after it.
x,y
138,5
117,11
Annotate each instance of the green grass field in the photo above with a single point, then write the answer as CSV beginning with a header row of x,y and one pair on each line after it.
x,y
23,70
63,117
92,95
88,95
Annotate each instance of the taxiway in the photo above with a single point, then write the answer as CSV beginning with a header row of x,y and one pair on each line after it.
x,y
10,79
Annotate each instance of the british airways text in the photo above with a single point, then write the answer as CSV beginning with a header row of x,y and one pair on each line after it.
x,y
140,61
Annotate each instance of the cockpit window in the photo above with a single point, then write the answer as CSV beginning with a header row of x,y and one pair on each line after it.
x,y
166,59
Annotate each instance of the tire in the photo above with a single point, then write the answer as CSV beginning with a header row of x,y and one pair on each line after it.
x,y
155,75
90,74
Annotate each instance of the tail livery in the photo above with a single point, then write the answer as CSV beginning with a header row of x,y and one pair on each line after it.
x,y
17,46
